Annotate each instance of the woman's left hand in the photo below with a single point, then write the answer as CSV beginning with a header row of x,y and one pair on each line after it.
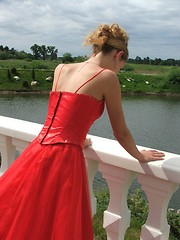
x,y
87,143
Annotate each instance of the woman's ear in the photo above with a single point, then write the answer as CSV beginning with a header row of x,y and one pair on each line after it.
x,y
119,54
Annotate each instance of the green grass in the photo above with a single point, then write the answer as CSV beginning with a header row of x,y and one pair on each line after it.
x,y
43,69
149,69
28,64
132,82
26,75
144,79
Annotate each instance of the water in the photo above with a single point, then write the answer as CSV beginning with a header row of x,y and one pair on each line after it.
x,y
153,122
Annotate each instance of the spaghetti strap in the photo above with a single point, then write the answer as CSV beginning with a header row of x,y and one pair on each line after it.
x,y
90,79
57,80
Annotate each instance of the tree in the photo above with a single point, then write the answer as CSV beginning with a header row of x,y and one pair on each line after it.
x,y
13,51
43,51
21,55
35,50
147,60
67,57
6,49
157,61
138,60
80,58
171,62
52,52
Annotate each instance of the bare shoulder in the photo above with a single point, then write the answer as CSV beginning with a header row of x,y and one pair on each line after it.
x,y
59,66
110,78
70,67
108,73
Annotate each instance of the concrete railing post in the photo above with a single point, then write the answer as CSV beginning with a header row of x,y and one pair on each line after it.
x,y
7,151
117,216
159,193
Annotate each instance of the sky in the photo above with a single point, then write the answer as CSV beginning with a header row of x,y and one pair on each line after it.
x,y
153,26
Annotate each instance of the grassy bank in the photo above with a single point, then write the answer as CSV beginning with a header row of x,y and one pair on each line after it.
x,y
135,78
27,71
149,79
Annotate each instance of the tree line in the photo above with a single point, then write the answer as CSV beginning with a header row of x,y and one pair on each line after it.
x,y
43,52
38,52
156,61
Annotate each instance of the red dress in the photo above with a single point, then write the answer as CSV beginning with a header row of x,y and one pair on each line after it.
x,y
44,193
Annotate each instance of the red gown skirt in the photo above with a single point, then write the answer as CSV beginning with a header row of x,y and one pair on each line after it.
x,y
44,195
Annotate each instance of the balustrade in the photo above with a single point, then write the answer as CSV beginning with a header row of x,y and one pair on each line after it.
x,y
159,180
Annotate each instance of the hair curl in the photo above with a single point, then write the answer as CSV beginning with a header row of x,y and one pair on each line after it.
x,y
108,37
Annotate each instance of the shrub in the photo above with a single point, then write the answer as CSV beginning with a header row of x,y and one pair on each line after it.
x,y
33,75
174,222
128,68
138,206
25,84
174,76
14,71
9,75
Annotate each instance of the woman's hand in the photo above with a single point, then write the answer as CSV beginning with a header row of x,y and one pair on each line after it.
x,y
152,155
87,143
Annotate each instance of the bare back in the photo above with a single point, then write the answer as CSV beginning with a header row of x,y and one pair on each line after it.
x,y
83,78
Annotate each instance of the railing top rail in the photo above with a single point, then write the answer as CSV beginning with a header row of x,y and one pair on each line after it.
x,y
19,129
103,150
110,152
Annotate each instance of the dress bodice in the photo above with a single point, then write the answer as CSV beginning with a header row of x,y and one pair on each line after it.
x,y
69,117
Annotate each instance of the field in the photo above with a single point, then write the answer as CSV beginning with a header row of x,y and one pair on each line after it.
x,y
24,70
148,79
134,78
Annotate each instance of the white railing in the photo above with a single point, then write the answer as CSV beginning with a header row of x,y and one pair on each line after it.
x,y
159,179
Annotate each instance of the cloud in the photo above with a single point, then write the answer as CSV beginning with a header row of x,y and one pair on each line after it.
x,y
153,27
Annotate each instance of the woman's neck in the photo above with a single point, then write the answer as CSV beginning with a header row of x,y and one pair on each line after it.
x,y
104,61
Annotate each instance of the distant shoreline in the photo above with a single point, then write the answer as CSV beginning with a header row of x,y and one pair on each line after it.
x,y
45,92
23,92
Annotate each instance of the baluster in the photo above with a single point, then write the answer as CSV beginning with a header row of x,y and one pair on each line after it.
x,y
117,216
19,144
159,193
7,152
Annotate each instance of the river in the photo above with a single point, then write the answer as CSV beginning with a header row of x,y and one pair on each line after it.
x,y
152,120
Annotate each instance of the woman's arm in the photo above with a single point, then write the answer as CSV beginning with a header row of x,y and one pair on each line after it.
x,y
112,95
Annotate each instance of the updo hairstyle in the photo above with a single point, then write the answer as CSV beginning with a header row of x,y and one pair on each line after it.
x,y
108,37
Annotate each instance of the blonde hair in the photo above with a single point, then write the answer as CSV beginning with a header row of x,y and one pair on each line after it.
x,y
108,37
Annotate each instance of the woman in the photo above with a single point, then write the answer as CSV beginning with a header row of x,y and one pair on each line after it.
x,y
44,194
